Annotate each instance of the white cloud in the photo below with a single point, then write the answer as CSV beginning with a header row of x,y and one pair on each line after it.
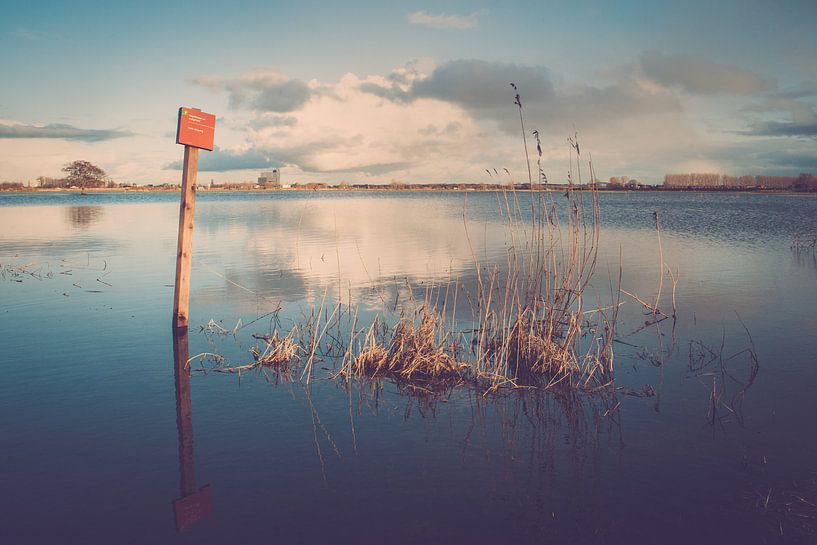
x,y
700,75
355,132
443,20
58,131
449,123
262,90
445,123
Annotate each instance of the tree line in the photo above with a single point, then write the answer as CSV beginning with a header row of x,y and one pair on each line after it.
x,y
803,182
623,182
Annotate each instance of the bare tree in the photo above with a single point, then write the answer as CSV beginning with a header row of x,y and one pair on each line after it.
x,y
84,174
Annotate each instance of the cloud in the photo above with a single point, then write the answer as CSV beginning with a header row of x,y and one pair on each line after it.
x,y
394,93
783,128
483,89
267,120
221,160
28,34
434,130
769,155
701,76
799,111
801,122
61,131
426,123
262,91
345,129
443,20
793,161
482,85
335,155
805,89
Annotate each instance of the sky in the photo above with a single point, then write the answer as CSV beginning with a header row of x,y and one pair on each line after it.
x,y
410,92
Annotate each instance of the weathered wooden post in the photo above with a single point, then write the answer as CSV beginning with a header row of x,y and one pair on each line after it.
x,y
195,130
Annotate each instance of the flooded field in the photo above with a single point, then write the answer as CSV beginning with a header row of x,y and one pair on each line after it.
x,y
703,434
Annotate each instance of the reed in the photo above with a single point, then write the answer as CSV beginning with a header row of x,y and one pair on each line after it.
x,y
411,354
529,323
280,354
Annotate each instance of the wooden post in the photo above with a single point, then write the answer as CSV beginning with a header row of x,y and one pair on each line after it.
x,y
184,251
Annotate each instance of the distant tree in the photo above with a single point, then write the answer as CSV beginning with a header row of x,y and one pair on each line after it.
x,y
806,182
747,181
46,182
84,174
729,181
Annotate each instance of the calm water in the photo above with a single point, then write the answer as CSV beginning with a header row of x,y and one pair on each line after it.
x,y
93,451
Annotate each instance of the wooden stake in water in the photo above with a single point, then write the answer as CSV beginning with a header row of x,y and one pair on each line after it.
x,y
195,130
184,249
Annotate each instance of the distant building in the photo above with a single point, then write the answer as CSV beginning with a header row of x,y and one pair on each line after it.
x,y
270,179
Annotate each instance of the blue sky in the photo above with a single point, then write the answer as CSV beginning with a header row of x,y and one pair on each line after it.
x,y
409,91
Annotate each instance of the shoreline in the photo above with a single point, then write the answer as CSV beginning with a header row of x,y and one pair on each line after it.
x,y
386,189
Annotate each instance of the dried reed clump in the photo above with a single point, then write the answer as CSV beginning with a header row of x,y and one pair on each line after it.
x,y
530,352
529,324
278,353
412,354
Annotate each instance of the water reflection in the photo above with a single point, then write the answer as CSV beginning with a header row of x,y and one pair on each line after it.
x,y
295,249
57,232
83,216
193,504
527,468
805,258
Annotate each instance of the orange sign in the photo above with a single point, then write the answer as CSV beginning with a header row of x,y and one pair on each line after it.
x,y
196,128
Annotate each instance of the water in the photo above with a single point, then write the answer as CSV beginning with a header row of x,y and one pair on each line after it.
x,y
93,451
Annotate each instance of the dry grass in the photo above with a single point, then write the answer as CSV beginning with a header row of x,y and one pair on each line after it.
x,y
412,354
529,351
529,324
279,354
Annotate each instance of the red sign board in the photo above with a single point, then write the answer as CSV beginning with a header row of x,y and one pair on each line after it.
x,y
196,128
